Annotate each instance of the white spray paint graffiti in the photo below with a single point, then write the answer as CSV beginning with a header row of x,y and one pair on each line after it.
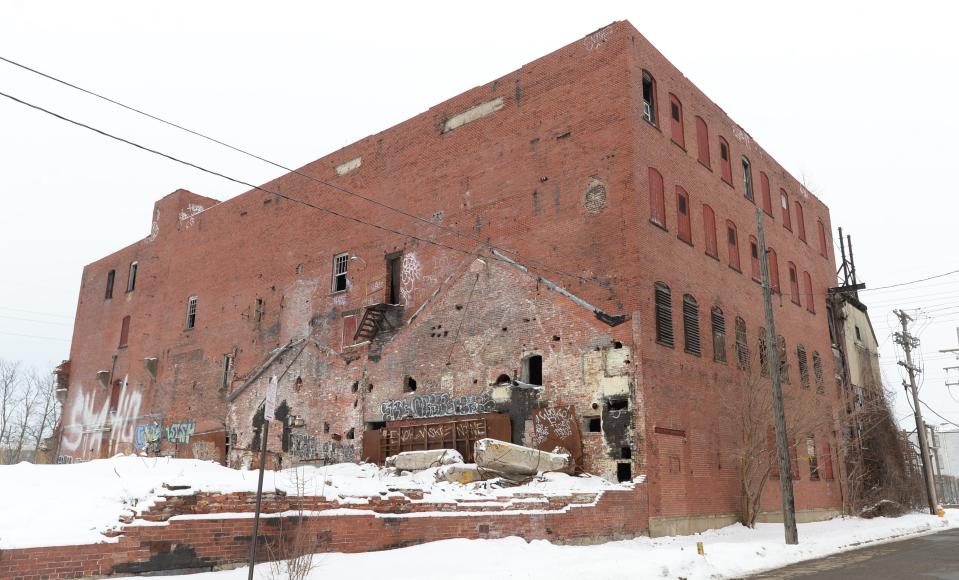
x,y
596,39
86,426
187,214
410,273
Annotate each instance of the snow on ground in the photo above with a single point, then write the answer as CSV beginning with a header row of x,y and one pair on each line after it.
x,y
57,505
731,552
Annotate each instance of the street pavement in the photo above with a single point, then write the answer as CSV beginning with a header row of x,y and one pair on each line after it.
x,y
932,556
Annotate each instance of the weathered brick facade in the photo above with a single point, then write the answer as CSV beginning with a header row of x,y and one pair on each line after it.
x,y
543,242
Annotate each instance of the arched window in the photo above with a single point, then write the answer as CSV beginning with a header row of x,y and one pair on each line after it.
x,y
773,262
709,231
719,334
683,223
676,123
794,284
817,370
748,180
764,190
807,290
649,97
691,337
803,366
702,141
784,201
823,245
725,163
664,314
754,258
742,346
800,221
657,200
732,245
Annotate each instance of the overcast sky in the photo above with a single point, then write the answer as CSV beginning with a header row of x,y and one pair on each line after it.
x,y
856,99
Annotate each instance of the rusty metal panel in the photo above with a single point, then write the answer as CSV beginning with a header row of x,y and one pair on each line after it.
x,y
459,432
372,451
557,427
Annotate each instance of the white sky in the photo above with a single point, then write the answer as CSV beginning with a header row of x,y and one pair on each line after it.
x,y
856,98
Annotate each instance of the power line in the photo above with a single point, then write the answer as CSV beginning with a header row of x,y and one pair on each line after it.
x,y
937,414
34,320
34,336
35,312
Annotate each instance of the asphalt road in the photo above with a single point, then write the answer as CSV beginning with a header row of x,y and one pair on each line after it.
x,y
933,556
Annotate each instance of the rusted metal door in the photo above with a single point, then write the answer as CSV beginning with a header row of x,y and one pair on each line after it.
x,y
453,432
557,427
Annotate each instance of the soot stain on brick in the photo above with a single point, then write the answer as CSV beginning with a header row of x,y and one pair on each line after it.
x,y
281,413
166,556
520,407
616,422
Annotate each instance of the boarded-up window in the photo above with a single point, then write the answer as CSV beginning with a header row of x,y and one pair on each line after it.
x,y
718,321
754,257
803,366
676,120
349,330
811,458
124,331
784,202
748,180
691,337
773,262
764,190
794,284
742,346
827,462
823,247
800,221
807,290
709,231
683,223
732,245
664,314
702,141
725,164
657,199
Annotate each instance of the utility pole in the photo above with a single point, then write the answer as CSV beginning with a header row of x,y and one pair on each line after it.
x,y
908,342
779,413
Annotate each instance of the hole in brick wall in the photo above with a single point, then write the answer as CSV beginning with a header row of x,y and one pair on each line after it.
x,y
626,361
336,437
594,425
475,381
526,320
375,425
409,385
351,433
445,332
355,387
355,402
503,379
369,388
505,329
624,472
459,306
617,344
556,337
596,405
299,268
626,453
432,335
533,369
326,427
618,404
483,528
297,385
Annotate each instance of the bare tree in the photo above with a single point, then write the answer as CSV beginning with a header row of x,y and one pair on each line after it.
x,y
28,411
9,383
48,409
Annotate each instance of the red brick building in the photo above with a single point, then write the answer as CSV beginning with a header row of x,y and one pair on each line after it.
x,y
568,258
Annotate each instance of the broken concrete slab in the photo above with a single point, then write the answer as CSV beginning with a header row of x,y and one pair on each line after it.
x,y
418,460
459,473
509,459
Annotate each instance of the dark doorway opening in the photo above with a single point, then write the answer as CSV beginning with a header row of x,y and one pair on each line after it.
x,y
395,275
534,369
624,472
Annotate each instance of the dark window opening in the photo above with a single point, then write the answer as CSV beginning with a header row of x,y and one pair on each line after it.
x,y
649,97
409,385
503,380
340,266
258,309
625,453
624,472
351,433
355,387
617,404
227,371
594,425
191,313
326,427
748,180
375,425
858,334
298,384
394,268
111,277
617,344
674,108
132,278
533,370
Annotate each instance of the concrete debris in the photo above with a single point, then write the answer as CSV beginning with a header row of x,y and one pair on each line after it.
x,y
418,460
462,473
510,460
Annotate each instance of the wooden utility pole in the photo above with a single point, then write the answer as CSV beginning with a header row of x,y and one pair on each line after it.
x,y
908,342
779,412
269,406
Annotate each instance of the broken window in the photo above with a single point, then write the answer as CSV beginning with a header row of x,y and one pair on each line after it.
x,y
124,332
191,312
823,246
258,309
702,141
748,180
764,191
111,276
683,223
754,258
725,165
676,125
691,338
763,352
803,366
227,377
409,385
817,370
593,425
807,290
709,231
533,369
132,277
800,221
657,200
811,456
784,200
394,269
719,334
783,360
664,314
340,263
742,347
649,97
772,263
794,284
732,245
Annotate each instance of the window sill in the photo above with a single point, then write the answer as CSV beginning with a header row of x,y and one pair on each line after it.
x,y
729,183
713,256
696,354
658,225
795,302
706,165
680,145
667,345
734,268
651,123
122,347
771,216
685,241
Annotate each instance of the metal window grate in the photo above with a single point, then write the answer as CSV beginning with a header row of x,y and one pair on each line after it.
x,y
191,312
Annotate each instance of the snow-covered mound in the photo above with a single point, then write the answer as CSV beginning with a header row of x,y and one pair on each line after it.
x,y
56,505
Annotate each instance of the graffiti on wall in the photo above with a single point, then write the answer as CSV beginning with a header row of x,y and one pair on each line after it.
x,y
205,451
306,447
180,432
87,427
147,437
436,405
410,273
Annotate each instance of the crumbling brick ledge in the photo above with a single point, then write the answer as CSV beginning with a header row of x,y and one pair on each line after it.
x,y
206,531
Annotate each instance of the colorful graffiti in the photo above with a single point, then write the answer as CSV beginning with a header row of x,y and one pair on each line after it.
x,y
180,432
436,405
